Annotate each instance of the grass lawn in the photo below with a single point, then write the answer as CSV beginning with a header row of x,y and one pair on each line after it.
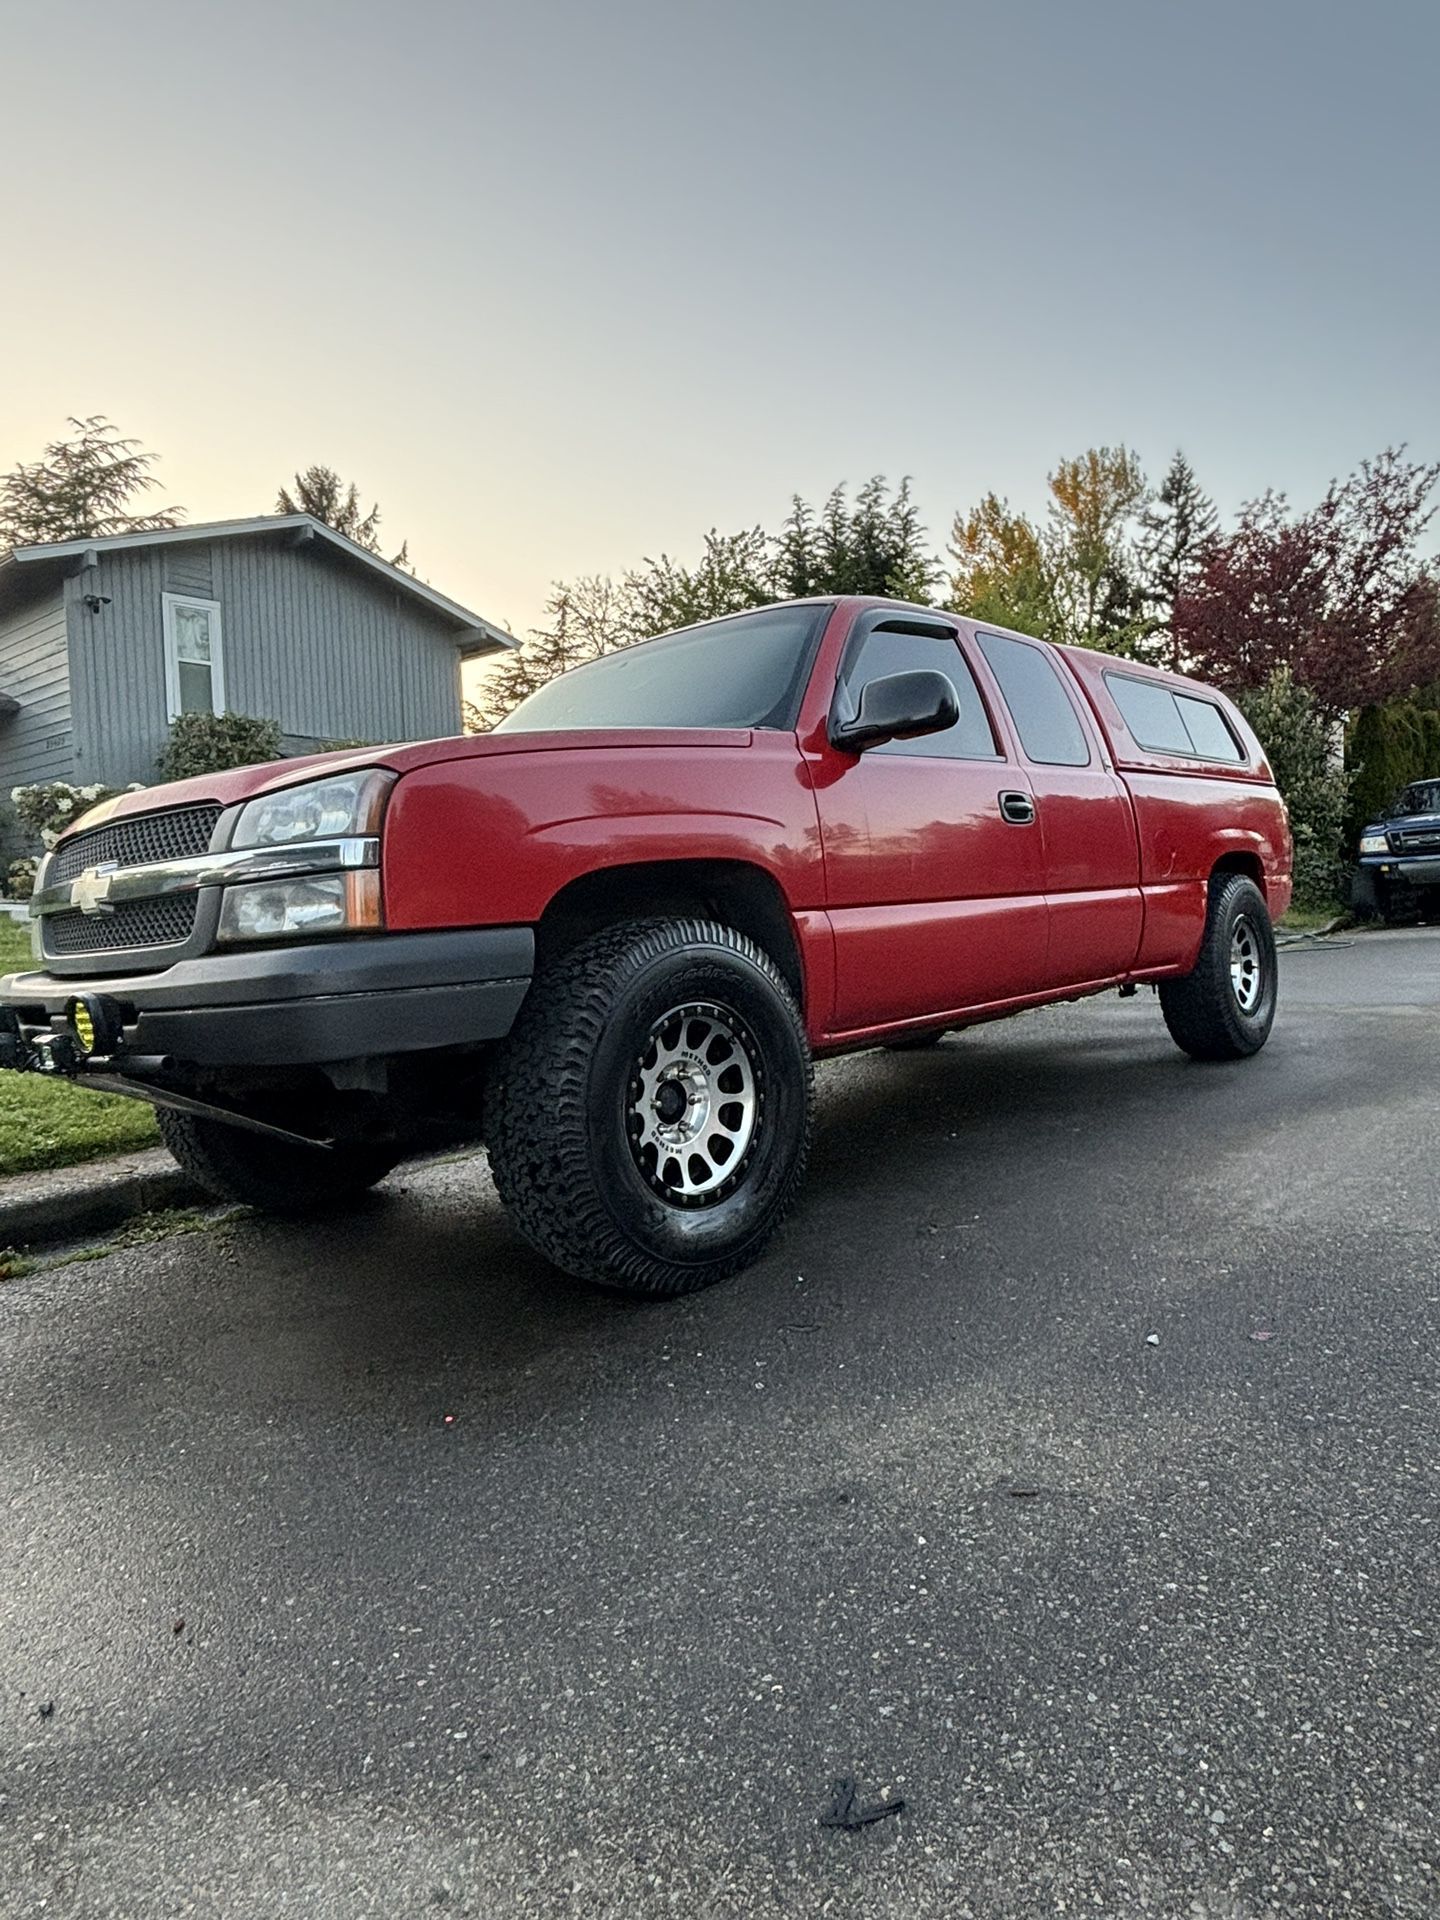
x,y
1307,919
45,1123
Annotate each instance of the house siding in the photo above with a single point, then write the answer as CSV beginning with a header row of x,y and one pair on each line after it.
x,y
117,667
330,653
308,641
189,569
38,742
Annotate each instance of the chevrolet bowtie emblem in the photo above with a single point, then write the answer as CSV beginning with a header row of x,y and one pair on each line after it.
x,y
90,891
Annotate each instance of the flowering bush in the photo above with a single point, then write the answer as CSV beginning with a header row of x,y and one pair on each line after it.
x,y
52,806
20,879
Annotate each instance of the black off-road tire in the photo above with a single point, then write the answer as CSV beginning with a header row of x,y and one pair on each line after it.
x,y
1205,1010
561,1109
1365,897
268,1174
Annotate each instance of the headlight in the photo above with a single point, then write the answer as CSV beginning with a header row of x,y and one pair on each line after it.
x,y
349,804
283,909
1374,843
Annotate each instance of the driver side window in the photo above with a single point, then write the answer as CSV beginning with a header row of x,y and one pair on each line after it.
x,y
883,651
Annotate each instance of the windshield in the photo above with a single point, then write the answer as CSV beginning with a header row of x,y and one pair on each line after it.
x,y
1422,797
745,671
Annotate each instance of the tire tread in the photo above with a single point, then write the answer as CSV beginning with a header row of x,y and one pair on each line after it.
x,y
222,1161
1199,1008
540,1154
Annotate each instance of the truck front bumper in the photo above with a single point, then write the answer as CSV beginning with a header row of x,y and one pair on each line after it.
x,y
300,1005
1415,869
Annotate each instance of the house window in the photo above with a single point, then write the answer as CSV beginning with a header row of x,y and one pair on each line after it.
x,y
194,658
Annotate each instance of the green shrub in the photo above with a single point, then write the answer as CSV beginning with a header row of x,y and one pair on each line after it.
x,y
211,742
20,879
1388,747
1297,739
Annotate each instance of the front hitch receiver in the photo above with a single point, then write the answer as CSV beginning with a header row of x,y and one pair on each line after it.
x,y
90,1051
94,1030
16,1051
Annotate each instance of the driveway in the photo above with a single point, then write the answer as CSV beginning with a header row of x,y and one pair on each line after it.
x,y
1068,1470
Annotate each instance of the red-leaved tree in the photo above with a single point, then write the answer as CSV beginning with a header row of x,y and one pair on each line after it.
x,y
1341,595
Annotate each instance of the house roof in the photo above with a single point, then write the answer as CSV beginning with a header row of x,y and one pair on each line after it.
x,y
55,558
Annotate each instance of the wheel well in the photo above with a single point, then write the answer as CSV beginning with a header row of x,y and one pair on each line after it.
x,y
1246,863
743,897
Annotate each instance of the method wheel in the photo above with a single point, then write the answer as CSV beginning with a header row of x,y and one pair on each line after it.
x,y
648,1117
1224,1007
268,1174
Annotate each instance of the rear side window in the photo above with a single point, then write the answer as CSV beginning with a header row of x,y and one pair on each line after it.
x,y
1044,718
1207,727
884,651
1169,722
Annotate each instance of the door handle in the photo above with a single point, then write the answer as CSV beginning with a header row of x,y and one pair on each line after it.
x,y
1018,809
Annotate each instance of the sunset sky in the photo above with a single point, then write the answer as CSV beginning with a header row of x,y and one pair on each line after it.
x,y
564,283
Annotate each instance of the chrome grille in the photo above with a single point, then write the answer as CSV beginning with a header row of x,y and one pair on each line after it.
x,y
1423,840
135,842
162,922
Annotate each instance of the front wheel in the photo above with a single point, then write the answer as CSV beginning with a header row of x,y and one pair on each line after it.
x,y
1224,1007
234,1164
649,1115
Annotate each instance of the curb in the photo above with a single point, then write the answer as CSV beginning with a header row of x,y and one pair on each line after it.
x,y
68,1203
1340,924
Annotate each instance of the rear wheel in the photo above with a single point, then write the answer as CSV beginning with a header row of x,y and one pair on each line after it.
x,y
649,1115
234,1164
1224,1008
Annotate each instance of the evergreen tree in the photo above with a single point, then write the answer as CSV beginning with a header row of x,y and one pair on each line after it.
x,y
80,489
1175,526
320,492
796,564
584,618
877,546
734,572
1297,737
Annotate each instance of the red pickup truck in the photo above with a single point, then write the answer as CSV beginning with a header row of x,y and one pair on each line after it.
x,y
614,933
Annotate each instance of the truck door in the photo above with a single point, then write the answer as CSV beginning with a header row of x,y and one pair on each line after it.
x,y
933,868
1087,825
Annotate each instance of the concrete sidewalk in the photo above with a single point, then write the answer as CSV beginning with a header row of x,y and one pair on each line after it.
x,y
66,1203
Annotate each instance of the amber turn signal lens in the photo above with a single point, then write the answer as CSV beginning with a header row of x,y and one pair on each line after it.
x,y
362,899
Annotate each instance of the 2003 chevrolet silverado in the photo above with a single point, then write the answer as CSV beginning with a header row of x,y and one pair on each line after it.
x,y
617,929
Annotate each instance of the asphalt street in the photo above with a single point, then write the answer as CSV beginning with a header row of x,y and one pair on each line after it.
x,y
1067,1470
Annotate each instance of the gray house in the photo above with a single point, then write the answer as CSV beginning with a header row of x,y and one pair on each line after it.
x,y
103,642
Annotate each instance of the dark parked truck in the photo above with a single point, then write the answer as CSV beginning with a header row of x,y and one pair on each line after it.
x,y
613,934
1399,868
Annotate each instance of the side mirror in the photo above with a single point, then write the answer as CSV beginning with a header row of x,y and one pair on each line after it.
x,y
901,706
